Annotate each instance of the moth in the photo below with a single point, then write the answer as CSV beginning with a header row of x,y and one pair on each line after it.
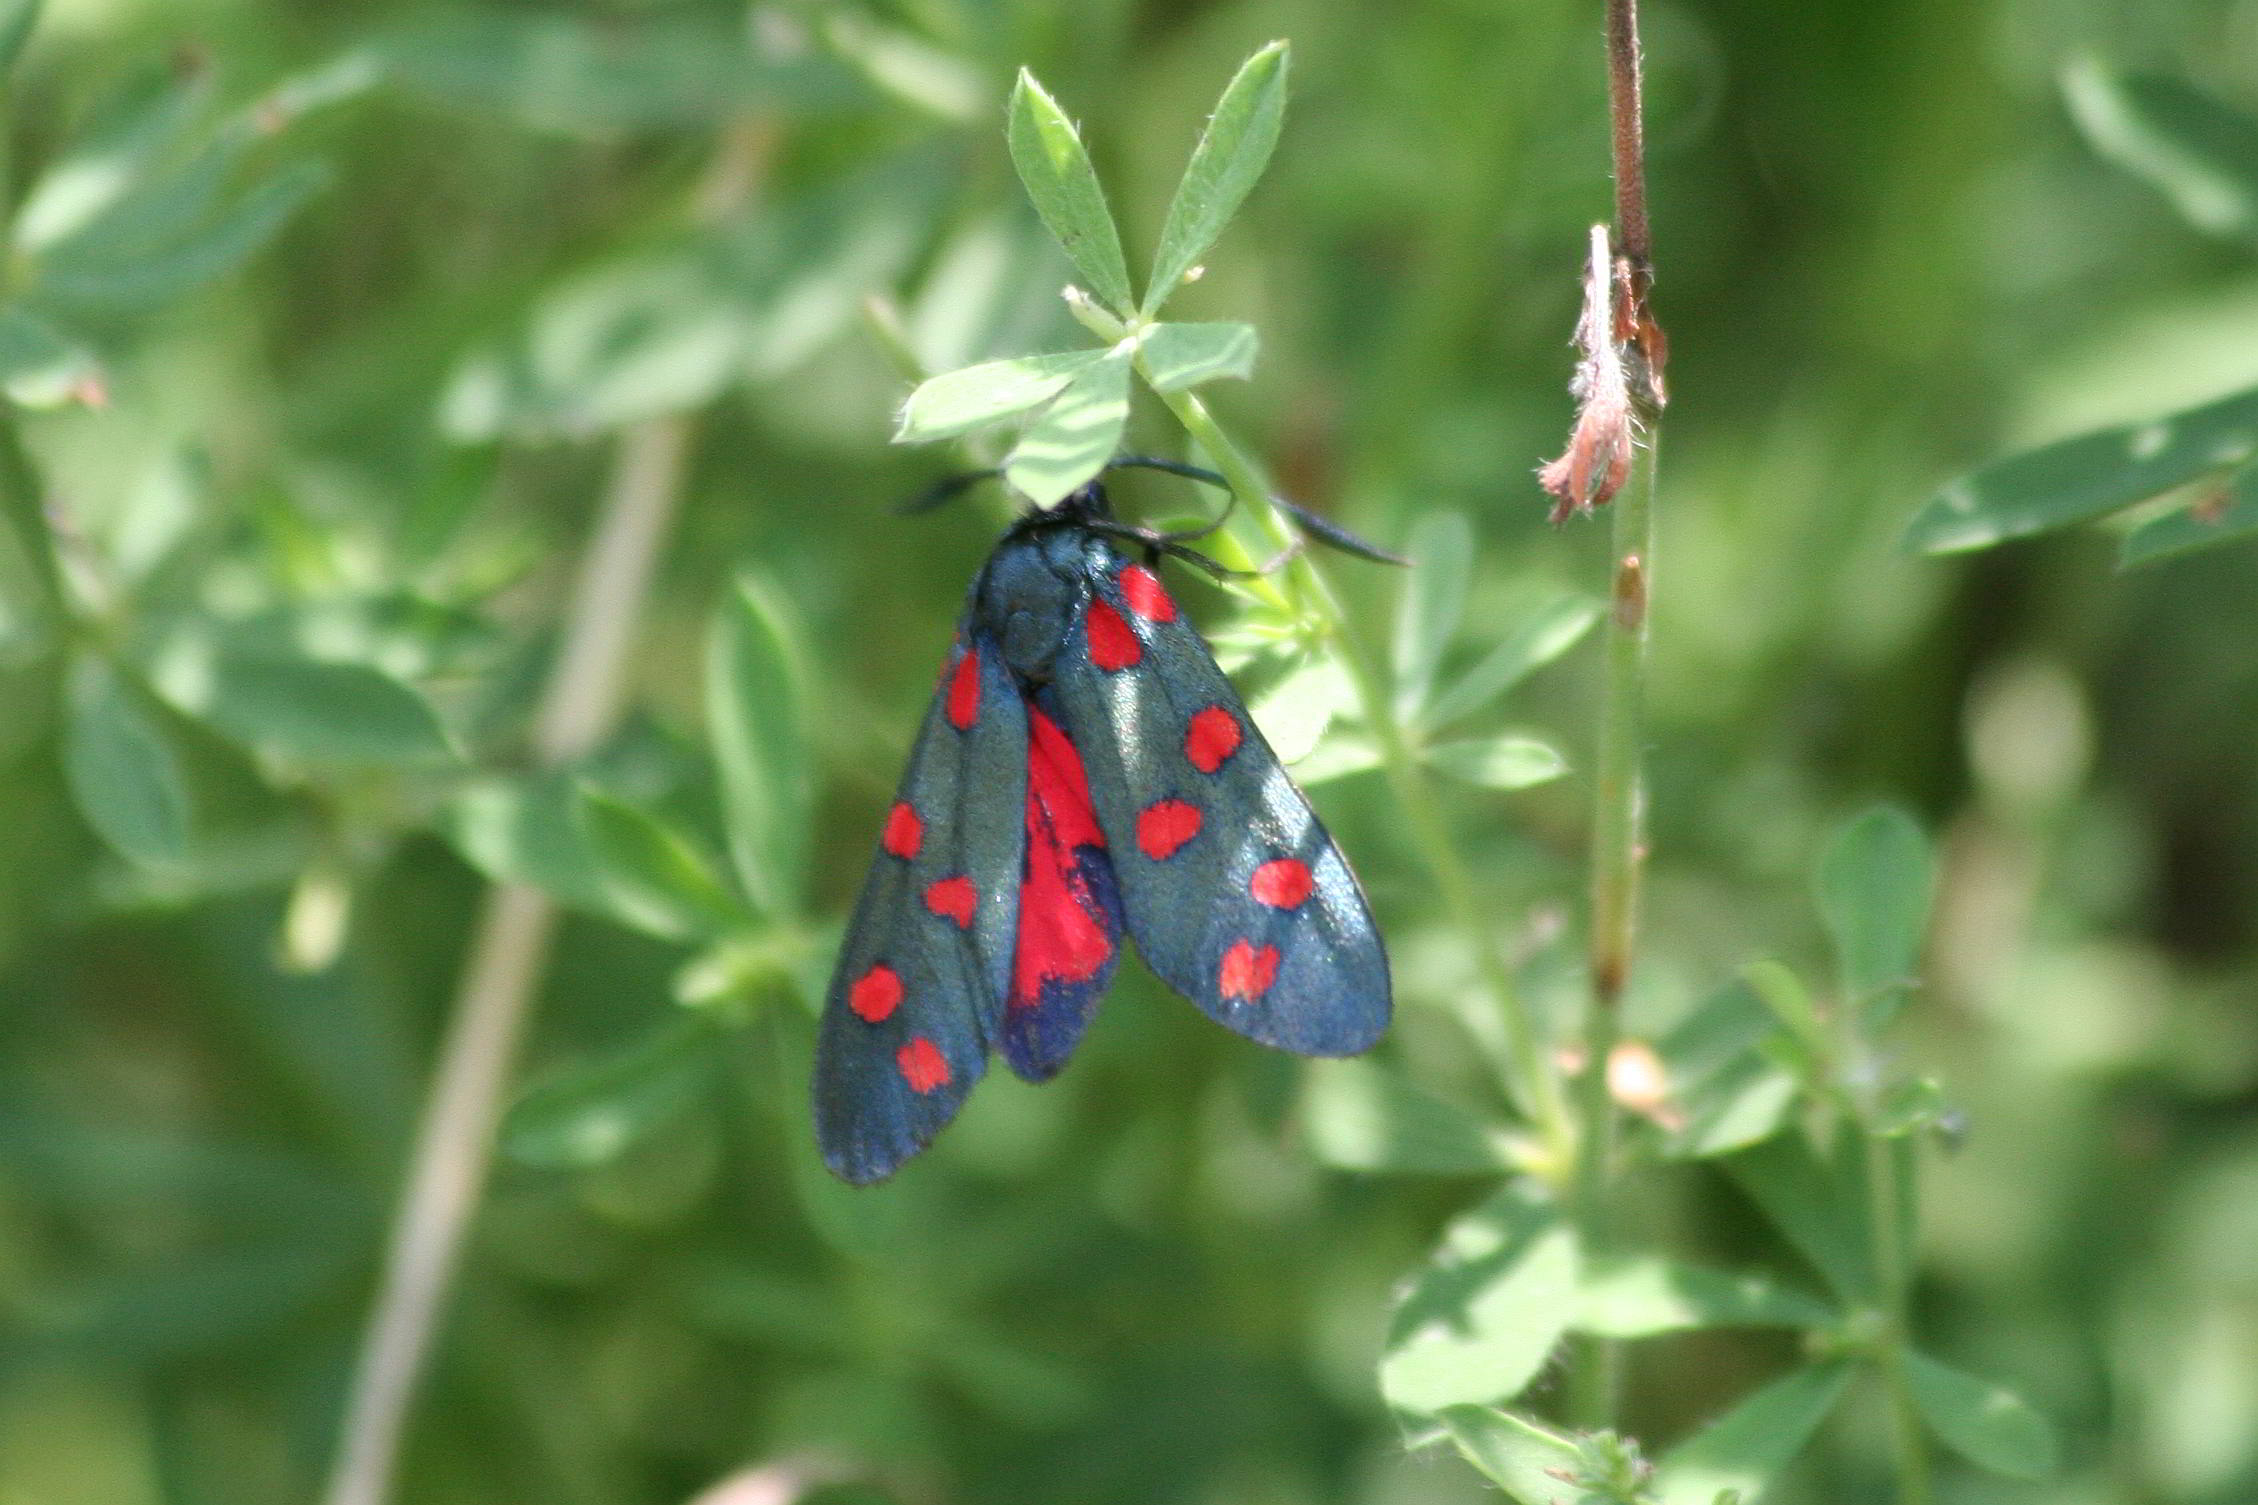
x,y
1085,772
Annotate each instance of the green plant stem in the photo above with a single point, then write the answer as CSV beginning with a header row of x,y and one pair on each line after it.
x,y
1885,1216
1909,1441
1534,1085
1618,858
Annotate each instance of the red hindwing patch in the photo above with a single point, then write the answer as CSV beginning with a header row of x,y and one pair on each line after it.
x,y
1062,935
964,692
1113,647
953,899
1283,883
905,833
876,994
1146,596
1164,826
923,1066
1247,973
1212,737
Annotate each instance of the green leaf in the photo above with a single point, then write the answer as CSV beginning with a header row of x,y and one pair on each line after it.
x,y
1230,157
1533,641
592,1113
756,718
1819,1202
1499,762
124,772
2196,151
1076,436
1047,151
1522,1458
597,76
958,402
2228,515
2089,476
269,696
523,830
1639,1298
17,20
1432,604
1175,356
1747,1447
657,877
163,240
1361,1116
1294,712
40,366
1476,1325
1722,1080
669,328
1336,757
1987,1424
1875,882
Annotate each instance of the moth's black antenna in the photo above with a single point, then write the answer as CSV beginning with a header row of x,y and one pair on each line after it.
x,y
946,490
1322,529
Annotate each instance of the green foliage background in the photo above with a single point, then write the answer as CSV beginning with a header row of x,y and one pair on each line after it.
x,y
322,321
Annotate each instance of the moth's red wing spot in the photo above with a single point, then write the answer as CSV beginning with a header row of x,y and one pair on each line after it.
x,y
1212,737
1164,826
1283,883
1113,647
1146,596
875,994
923,1066
953,899
1247,973
905,833
964,692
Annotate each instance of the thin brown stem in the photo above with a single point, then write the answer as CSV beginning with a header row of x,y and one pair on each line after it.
x,y
509,951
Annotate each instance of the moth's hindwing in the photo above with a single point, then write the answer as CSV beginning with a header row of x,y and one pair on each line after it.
x,y
1233,891
919,994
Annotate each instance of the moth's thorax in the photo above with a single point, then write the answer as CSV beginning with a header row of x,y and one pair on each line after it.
x,y
1028,597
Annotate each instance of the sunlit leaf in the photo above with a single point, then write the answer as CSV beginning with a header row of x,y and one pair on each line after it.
x,y
593,1112
1476,1325
2090,476
2197,151
1747,1447
1048,152
124,772
657,876
1725,1088
1499,762
1987,1424
1174,356
2227,515
959,401
1526,1460
1638,1298
1294,712
1077,434
1230,157
1362,1116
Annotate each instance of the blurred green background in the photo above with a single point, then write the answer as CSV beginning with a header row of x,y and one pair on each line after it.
x,y
324,320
